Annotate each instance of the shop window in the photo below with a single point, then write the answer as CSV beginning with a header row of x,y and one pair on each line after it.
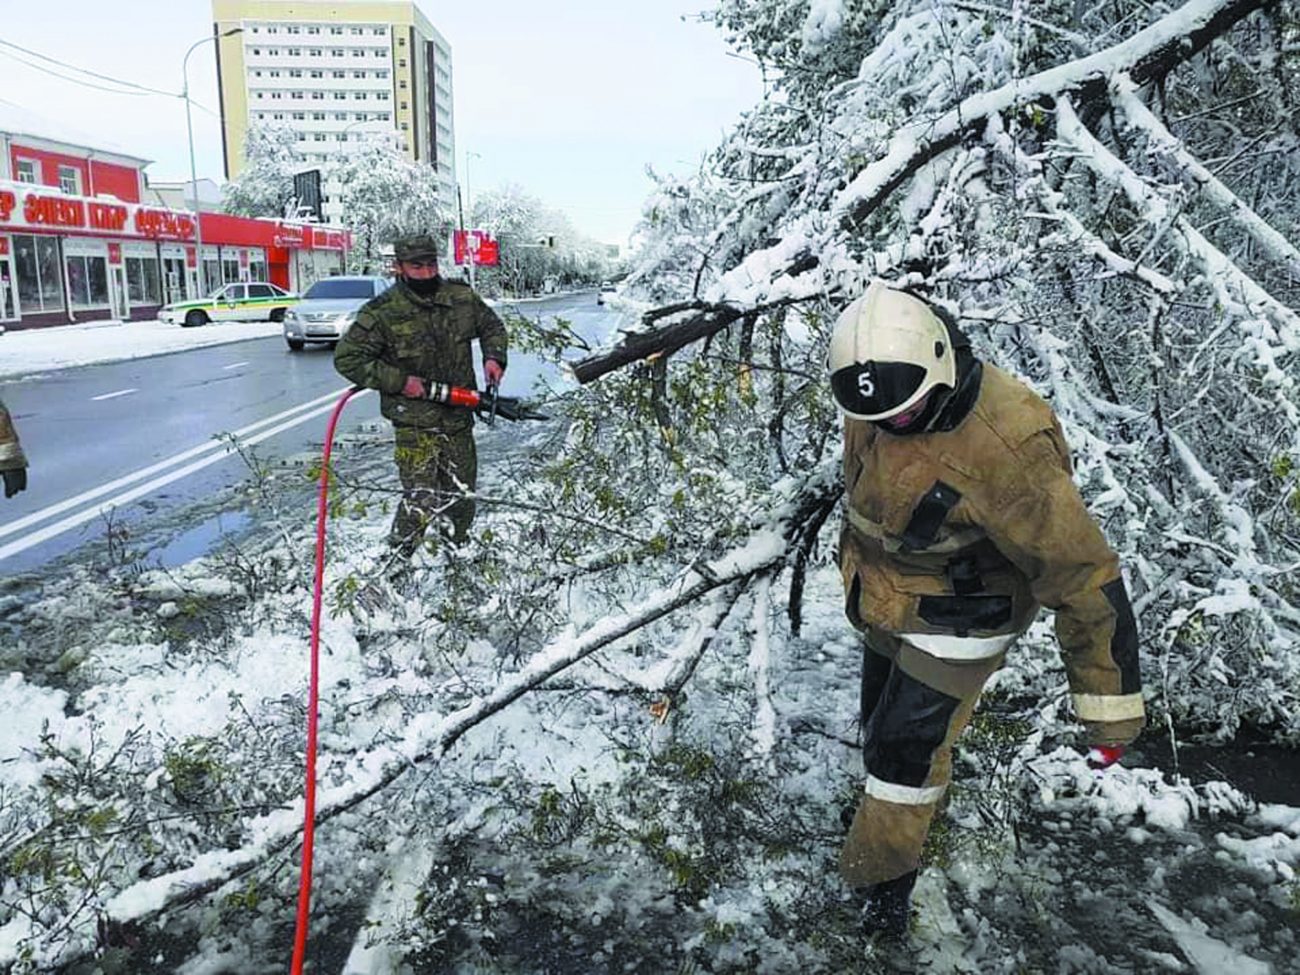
x,y
29,171
143,284
87,281
36,260
229,269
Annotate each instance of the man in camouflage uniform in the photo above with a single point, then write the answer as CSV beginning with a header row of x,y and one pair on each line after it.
x,y
13,464
962,521
415,334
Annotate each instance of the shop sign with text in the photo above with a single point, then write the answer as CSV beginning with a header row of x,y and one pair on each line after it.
x,y
26,206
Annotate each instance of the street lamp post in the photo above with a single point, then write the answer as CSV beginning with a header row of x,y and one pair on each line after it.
x,y
189,129
469,207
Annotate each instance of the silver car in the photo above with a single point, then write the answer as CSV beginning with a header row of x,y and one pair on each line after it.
x,y
328,308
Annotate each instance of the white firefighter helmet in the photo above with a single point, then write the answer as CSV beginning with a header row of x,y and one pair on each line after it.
x,y
888,349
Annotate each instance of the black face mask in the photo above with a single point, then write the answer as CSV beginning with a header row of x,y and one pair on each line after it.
x,y
424,287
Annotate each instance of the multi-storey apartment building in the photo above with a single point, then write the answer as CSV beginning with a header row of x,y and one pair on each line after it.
x,y
336,72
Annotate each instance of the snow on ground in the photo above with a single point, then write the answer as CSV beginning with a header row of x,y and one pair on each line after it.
x,y
35,350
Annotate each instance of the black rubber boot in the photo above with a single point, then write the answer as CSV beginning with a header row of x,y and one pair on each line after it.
x,y
887,907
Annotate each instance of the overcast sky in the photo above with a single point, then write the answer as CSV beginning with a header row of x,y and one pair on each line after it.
x,y
570,99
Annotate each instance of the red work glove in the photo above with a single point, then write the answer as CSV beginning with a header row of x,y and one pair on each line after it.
x,y
1104,756
414,388
493,371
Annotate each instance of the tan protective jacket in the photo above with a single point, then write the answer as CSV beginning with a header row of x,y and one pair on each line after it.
x,y
11,451
965,533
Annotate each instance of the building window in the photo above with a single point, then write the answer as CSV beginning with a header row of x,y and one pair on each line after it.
x,y
297,95
255,30
295,52
336,30
314,52
40,287
358,52
406,126
29,171
338,52
340,116
401,42
260,95
295,72
318,116
358,74
313,30
316,74
143,284
357,30
382,73
87,281
381,52
293,30
343,137
276,95
317,95
278,116
401,62
273,51
300,116
382,95
257,74
319,136
402,106
340,95
340,74
379,31
257,50
360,96
402,83
274,74
273,30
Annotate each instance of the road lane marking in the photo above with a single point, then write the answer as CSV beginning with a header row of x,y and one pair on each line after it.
x,y
49,512
81,517
235,365
120,392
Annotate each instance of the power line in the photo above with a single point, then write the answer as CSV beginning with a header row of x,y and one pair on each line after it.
x,y
77,81
93,74
142,90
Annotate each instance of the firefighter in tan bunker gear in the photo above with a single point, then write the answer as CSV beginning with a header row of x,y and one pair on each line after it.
x,y
13,463
403,343
961,521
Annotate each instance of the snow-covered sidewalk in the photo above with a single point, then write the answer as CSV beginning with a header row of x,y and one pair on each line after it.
x,y
37,350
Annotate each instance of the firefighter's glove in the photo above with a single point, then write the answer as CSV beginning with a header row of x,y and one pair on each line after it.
x,y
15,481
493,371
1104,756
414,388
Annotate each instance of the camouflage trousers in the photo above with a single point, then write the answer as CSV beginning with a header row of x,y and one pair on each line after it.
x,y
914,706
437,470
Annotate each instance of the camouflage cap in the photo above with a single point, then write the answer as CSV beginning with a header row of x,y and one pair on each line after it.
x,y
419,247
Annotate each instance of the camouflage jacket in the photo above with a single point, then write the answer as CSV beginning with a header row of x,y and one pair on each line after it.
x,y
11,451
400,334
966,533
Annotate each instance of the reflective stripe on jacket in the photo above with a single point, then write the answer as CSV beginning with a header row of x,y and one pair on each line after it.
x,y
965,533
400,334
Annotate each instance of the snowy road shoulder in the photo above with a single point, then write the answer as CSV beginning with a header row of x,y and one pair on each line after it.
x,y
37,350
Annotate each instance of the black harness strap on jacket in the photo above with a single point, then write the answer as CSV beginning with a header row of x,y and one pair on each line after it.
x,y
928,516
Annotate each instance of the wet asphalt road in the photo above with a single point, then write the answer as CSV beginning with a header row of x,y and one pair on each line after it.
x,y
87,427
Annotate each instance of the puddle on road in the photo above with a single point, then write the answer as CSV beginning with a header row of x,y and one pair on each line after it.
x,y
199,540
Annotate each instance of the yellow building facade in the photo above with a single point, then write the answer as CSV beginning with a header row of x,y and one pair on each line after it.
x,y
336,73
